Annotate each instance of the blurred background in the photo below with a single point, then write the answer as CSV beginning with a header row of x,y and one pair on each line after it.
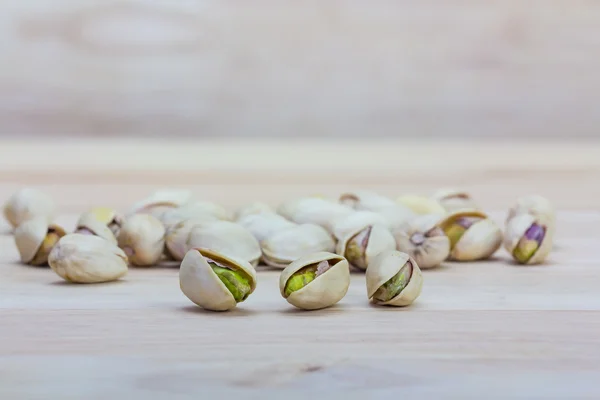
x,y
340,69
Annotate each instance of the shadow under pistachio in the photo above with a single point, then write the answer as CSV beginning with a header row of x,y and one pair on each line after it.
x,y
235,312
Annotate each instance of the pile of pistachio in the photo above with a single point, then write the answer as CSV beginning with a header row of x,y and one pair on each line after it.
x,y
314,240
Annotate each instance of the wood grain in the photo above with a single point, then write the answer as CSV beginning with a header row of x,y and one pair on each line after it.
x,y
480,330
460,68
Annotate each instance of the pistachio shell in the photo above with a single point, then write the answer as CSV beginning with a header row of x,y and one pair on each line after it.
x,y
207,207
107,216
421,205
142,237
479,241
174,216
226,238
176,238
89,222
264,225
383,268
379,239
283,247
161,200
27,204
30,239
396,216
366,200
314,210
516,229
535,205
454,200
199,282
356,220
422,240
256,207
325,290
87,259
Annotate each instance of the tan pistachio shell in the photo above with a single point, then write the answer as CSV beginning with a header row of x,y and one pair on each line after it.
x,y
283,247
421,205
226,238
265,224
207,207
383,268
366,200
396,215
160,201
535,205
108,216
256,207
314,210
30,235
27,204
203,287
99,228
356,220
454,200
142,237
380,240
87,259
174,216
176,238
325,290
412,239
479,242
515,230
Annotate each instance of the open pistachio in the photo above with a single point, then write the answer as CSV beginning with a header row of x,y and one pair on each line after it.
x,y
176,237
215,281
314,210
102,222
393,278
538,206
256,207
226,238
360,246
142,238
27,204
87,259
421,205
265,224
366,200
174,216
473,236
315,281
35,238
356,220
161,201
454,200
425,242
528,239
285,246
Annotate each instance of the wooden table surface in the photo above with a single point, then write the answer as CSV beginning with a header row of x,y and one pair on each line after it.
x,y
479,330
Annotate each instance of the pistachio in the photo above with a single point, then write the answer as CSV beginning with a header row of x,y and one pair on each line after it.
x,y
366,200
421,205
142,238
473,236
35,238
360,246
215,281
425,242
256,207
528,239
538,206
177,236
102,222
314,210
87,259
315,281
358,219
173,216
396,216
393,278
454,200
285,246
265,224
226,238
160,201
27,204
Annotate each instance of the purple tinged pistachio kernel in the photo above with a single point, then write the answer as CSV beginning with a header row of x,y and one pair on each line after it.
x,y
458,228
356,248
530,243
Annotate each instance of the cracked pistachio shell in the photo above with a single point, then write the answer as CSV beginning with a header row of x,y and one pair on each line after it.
x,y
199,282
478,242
454,200
516,229
35,239
323,291
421,205
27,204
94,223
256,207
87,259
377,238
396,215
366,200
226,238
283,247
105,215
160,201
356,220
174,216
264,225
424,241
383,268
176,238
142,238
314,210
535,205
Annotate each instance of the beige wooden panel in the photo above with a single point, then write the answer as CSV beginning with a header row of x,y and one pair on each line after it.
x,y
503,68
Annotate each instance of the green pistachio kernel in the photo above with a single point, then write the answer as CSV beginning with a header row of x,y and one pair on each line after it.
x,y
305,276
458,228
356,247
395,284
235,282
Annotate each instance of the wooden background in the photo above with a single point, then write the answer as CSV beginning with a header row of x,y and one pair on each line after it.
x,y
497,68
